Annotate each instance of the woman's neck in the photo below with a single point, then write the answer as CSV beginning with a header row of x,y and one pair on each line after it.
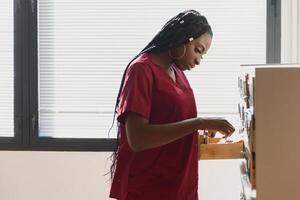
x,y
163,60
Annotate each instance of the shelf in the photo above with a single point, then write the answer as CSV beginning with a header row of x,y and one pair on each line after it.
x,y
248,193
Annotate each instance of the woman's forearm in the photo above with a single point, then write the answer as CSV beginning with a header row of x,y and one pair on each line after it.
x,y
142,135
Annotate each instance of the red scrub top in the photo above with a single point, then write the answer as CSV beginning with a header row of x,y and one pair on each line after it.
x,y
168,172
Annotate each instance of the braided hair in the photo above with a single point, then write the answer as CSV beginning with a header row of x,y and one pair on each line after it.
x,y
182,28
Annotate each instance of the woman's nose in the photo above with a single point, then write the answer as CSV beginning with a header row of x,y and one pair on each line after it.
x,y
197,61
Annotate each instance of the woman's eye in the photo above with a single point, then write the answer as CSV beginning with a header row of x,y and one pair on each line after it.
x,y
198,50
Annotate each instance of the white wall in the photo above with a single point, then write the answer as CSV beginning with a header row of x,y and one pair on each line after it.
x,y
26,175
290,31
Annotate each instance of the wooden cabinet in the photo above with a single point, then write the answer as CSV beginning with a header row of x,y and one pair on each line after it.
x,y
269,113
273,139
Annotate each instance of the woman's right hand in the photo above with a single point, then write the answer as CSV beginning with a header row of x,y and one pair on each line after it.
x,y
217,125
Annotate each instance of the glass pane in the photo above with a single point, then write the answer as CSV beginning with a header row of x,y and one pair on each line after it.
x,y
77,82
84,47
6,69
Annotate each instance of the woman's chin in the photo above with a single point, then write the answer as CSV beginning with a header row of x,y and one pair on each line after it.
x,y
183,68
188,67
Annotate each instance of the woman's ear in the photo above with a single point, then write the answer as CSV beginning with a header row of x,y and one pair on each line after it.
x,y
177,52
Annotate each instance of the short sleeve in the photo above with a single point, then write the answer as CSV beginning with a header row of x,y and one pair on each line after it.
x,y
136,92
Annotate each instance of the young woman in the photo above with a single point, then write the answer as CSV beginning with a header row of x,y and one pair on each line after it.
x,y
157,153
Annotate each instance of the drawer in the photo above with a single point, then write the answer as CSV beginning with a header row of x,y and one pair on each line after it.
x,y
211,149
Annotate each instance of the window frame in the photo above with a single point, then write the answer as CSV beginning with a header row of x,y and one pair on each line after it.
x,y
273,49
26,82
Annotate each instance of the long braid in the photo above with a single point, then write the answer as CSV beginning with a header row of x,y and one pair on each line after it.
x,y
177,31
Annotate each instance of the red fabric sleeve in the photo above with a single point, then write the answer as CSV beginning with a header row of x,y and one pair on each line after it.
x,y
137,91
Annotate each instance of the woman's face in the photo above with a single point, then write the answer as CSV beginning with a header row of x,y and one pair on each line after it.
x,y
194,52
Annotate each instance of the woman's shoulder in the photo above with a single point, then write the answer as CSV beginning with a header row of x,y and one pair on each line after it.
x,y
140,66
143,59
141,63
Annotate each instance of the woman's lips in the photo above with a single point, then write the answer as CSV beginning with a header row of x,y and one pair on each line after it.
x,y
191,66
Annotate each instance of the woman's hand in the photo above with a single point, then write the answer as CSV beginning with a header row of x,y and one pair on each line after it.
x,y
213,125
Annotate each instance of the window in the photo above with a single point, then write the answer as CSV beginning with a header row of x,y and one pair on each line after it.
x,y
7,70
73,54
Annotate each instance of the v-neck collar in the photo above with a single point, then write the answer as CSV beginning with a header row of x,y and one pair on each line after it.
x,y
177,79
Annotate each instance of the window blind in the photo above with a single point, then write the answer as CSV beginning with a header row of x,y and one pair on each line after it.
x,y
6,70
84,47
